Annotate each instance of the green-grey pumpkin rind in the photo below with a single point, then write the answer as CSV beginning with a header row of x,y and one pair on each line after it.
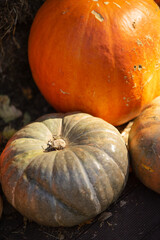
x,y
65,187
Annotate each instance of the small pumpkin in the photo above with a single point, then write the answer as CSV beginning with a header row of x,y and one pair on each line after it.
x,y
144,146
98,57
64,169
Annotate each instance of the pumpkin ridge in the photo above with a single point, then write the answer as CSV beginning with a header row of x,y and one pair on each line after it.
x,y
57,197
35,182
41,160
60,128
102,150
9,150
71,210
103,170
27,138
21,175
22,132
8,160
97,130
100,131
70,205
59,201
11,171
90,183
122,174
73,125
19,137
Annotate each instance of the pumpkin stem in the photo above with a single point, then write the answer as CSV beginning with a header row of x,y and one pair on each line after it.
x,y
55,144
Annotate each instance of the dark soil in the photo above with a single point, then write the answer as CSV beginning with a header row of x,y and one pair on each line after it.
x,y
16,80
136,214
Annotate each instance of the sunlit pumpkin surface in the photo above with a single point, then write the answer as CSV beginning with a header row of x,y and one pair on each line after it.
x,y
99,57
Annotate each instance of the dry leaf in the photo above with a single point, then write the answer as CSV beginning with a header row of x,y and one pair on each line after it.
x,y
125,132
27,93
122,203
8,132
26,118
104,216
8,112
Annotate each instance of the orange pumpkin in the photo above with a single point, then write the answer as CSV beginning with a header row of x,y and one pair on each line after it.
x,y
144,146
99,57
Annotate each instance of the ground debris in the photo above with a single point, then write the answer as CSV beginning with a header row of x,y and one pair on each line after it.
x,y
125,132
61,236
122,203
104,216
27,92
8,112
26,118
8,132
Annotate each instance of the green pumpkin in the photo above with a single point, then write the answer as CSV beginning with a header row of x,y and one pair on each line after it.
x,y
64,169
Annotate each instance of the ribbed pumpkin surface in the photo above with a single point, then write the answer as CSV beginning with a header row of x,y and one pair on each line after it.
x,y
67,186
